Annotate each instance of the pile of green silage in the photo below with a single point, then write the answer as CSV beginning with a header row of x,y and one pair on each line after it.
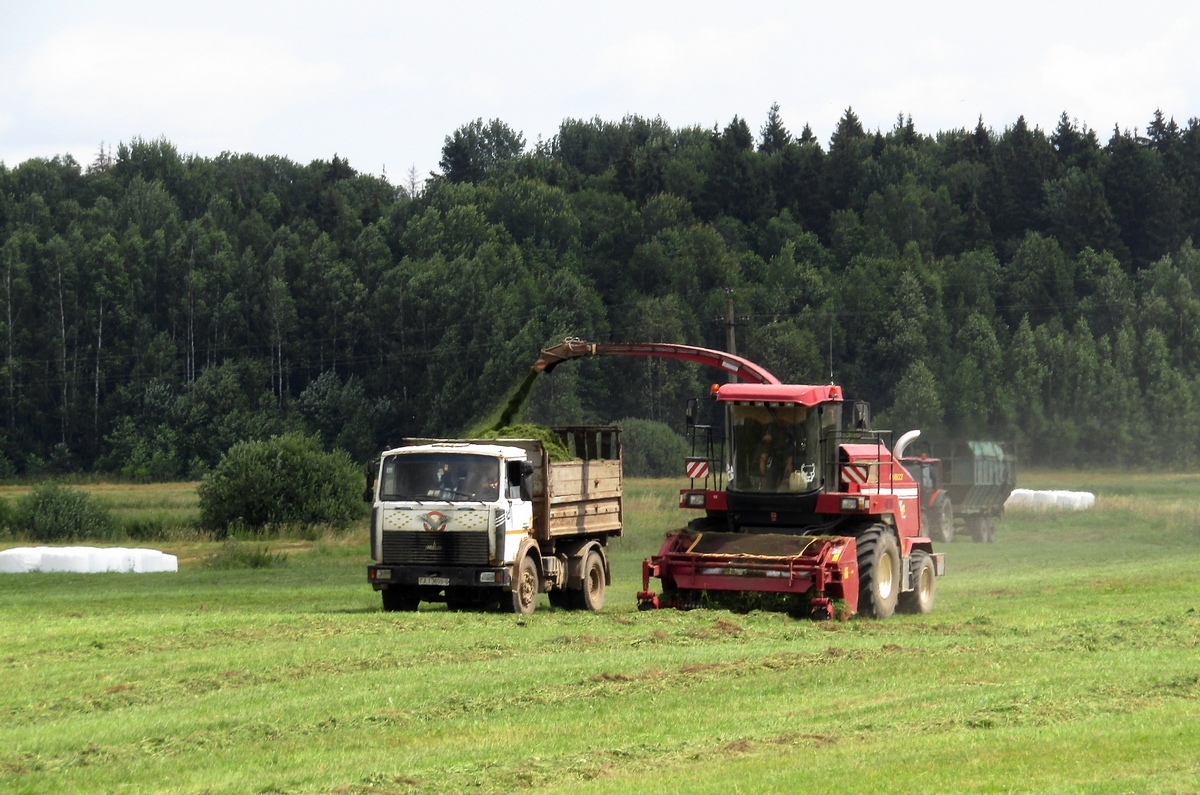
x,y
557,451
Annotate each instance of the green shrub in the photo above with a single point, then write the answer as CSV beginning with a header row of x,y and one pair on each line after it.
x,y
651,449
6,516
284,480
52,513
141,454
8,469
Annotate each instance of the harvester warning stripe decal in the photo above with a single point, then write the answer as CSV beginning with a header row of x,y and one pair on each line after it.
x,y
857,474
697,467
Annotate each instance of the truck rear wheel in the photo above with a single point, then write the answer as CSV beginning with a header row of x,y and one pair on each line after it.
x,y
878,573
920,598
399,599
591,596
525,589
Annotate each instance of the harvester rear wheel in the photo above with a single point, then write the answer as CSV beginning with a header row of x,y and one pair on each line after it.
x,y
920,598
878,573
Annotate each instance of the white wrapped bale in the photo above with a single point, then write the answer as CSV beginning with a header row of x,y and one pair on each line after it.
x,y
85,560
20,560
1050,499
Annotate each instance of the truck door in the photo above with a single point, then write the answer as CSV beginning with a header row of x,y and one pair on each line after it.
x,y
518,494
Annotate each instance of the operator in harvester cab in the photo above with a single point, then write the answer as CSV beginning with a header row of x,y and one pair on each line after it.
x,y
772,458
775,456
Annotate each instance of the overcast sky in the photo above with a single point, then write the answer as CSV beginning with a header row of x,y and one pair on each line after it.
x,y
383,83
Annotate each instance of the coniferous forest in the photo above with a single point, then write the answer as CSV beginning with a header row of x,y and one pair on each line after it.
x,y
1018,284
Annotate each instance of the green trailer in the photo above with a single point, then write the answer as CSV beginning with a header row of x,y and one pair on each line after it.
x,y
964,490
980,476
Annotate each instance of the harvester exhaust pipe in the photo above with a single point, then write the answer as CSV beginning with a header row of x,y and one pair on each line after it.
x,y
903,442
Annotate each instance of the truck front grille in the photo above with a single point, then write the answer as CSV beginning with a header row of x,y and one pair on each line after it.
x,y
449,549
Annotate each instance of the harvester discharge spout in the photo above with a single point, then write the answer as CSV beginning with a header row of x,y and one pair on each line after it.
x,y
743,369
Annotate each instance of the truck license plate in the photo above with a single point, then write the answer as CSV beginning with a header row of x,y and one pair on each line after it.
x,y
442,581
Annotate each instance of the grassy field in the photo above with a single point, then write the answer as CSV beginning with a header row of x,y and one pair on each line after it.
x,y
1062,658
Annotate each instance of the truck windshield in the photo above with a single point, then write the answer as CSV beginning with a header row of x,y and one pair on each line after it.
x,y
773,447
440,476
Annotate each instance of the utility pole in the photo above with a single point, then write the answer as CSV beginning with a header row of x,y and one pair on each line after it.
x,y
730,323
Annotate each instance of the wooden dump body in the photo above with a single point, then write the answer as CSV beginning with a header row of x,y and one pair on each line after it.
x,y
581,496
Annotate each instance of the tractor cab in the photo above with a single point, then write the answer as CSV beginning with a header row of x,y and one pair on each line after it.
x,y
926,471
937,514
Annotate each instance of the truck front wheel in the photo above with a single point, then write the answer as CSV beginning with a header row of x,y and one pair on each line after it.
x,y
525,589
399,599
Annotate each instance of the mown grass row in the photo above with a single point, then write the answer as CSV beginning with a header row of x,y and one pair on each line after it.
x,y
1062,658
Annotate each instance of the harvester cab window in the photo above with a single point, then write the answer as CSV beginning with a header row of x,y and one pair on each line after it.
x,y
773,447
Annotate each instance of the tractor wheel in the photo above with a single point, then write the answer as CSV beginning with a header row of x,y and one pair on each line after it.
x,y
591,597
399,599
924,581
945,522
977,527
878,573
525,589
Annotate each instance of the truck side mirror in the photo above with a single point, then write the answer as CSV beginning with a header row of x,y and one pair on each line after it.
x,y
526,481
520,480
372,471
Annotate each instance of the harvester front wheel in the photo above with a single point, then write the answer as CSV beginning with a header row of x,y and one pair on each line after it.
x,y
878,573
920,598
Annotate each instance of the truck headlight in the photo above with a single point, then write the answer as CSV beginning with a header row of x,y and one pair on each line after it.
x,y
487,576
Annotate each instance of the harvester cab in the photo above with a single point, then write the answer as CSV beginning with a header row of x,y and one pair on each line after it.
x,y
775,459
